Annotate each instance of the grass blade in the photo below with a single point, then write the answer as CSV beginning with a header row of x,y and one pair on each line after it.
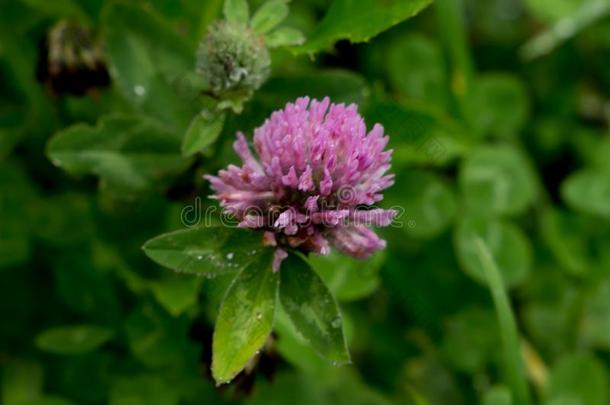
x,y
451,22
508,327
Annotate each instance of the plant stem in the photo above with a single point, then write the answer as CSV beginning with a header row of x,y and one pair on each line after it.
x,y
508,327
450,19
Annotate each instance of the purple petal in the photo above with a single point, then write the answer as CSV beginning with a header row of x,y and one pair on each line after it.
x,y
278,257
356,240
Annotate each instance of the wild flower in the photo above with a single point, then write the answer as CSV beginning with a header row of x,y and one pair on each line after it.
x,y
313,181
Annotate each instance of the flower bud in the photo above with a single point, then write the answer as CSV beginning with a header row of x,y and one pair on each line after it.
x,y
232,58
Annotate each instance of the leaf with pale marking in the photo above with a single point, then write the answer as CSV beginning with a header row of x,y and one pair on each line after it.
x,y
245,318
312,309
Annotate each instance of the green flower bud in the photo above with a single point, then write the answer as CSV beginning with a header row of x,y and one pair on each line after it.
x,y
232,58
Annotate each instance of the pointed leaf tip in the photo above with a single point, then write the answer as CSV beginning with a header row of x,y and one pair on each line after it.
x,y
313,310
245,318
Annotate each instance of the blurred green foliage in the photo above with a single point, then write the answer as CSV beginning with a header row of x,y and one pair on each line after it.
x,y
498,113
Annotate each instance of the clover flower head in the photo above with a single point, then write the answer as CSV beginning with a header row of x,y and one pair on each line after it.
x,y
313,181
232,58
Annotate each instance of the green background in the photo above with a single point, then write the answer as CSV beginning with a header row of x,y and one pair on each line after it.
x,y
498,113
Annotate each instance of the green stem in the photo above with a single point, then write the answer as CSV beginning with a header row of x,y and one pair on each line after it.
x,y
508,327
450,20
589,13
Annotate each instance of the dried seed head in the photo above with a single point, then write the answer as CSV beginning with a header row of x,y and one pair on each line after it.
x,y
71,60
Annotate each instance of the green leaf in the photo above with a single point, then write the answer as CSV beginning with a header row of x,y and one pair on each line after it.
x,y
579,377
85,287
146,389
206,251
9,138
596,318
149,62
415,67
564,233
498,105
312,309
155,338
236,11
359,20
22,382
64,219
203,132
176,293
58,9
284,36
341,86
513,359
73,339
15,229
269,15
497,180
471,339
418,136
348,278
86,378
588,191
159,48
129,154
245,318
498,395
598,150
430,293
509,246
430,382
342,385
426,204
552,306
294,348
49,400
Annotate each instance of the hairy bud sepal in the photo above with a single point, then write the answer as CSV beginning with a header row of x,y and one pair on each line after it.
x,y
233,61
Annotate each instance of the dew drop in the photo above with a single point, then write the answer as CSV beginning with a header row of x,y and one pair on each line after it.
x,y
336,323
139,90
199,257
259,316
230,256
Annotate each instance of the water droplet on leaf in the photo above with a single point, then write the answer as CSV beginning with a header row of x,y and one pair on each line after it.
x,y
139,90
